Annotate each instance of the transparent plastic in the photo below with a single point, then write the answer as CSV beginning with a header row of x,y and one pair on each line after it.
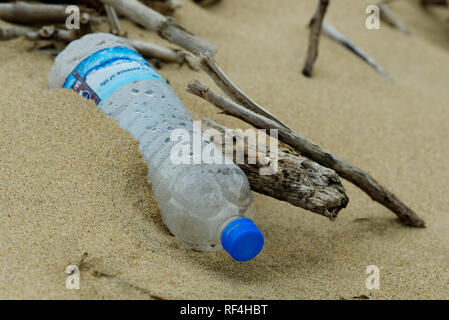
x,y
197,201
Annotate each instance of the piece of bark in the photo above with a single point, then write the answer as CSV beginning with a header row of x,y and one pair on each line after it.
x,y
22,12
165,26
315,30
314,152
335,35
389,17
300,182
8,32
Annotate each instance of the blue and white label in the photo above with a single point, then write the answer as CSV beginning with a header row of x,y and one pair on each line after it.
x,y
104,71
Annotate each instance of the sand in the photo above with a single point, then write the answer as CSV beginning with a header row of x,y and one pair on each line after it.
x,y
72,181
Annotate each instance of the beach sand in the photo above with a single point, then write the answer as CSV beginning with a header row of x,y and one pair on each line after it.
x,y
72,181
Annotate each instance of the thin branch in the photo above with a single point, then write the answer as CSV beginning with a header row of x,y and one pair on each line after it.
x,y
206,3
389,17
166,27
8,32
208,65
166,7
151,50
314,38
335,35
52,33
443,3
301,182
22,12
146,49
114,22
314,152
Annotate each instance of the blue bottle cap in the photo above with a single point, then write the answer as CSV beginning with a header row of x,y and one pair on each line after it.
x,y
242,239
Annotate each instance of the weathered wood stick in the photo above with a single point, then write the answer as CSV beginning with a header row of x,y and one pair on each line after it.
x,y
335,35
52,33
146,49
301,182
166,7
114,22
388,16
166,27
151,50
314,38
312,151
8,32
206,3
22,12
443,3
208,65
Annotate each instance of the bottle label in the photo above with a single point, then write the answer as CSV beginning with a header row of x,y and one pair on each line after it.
x,y
104,71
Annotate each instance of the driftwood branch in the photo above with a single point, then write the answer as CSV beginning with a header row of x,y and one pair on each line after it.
x,y
314,38
443,3
146,49
335,35
208,65
312,151
114,22
11,32
22,12
301,182
151,50
206,3
52,33
389,17
166,7
166,27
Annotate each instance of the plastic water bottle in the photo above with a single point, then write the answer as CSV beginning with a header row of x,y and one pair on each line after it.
x,y
207,206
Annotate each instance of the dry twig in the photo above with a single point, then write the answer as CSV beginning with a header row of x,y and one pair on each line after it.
x,y
206,3
166,27
146,49
114,22
166,7
314,38
335,35
22,12
389,17
443,3
312,151
11,31
301,182
221,79
151,50
52,33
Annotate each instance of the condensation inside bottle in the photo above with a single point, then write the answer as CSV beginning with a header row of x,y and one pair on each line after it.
x,y
196,200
